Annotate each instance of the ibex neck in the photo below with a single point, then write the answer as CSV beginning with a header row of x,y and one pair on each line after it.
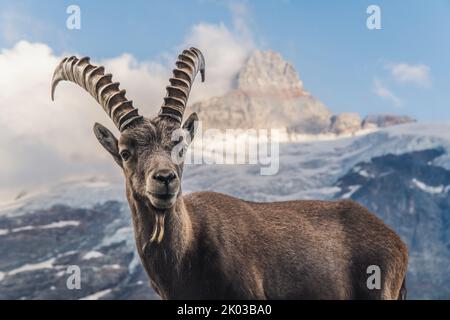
x,y
162,236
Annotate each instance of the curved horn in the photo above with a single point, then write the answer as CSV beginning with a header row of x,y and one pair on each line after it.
x,y
94,80
189,63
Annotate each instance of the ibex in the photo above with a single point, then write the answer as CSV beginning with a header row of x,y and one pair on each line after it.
x,y
208,245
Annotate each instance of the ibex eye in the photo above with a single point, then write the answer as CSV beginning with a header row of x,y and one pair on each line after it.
x,y
125,154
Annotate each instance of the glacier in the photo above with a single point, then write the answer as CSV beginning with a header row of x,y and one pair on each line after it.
x,y
86,221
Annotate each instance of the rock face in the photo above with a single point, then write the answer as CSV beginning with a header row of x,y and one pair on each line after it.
x,y
268,93
268,73
384,120
411,195
345,123
39,246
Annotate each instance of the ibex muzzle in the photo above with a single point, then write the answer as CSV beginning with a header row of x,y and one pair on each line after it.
x,y
163,184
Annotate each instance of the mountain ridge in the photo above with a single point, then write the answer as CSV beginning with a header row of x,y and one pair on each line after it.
x,y
268,92
400,173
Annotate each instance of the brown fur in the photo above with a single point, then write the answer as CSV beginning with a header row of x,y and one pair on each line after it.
x,y
215,246
212,246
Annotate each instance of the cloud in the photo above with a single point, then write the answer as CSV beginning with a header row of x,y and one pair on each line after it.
x,y
225,53
225,50
380,90
17,24
406,73
43,141
241,17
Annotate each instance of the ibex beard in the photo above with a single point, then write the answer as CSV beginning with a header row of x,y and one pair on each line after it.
x,y
208,245
152,177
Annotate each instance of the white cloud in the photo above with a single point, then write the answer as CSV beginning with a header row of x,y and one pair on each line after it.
x,y
224,52
44,141
406,73
382,91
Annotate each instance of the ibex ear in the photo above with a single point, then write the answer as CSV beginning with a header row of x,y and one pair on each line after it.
x,y
108,141
191,124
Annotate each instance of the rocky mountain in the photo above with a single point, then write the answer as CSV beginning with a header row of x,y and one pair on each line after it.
x,y
410,193
269,93
268,73
400,173
46,235
384,120
345,123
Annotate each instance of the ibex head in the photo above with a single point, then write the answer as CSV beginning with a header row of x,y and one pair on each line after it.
x,y
145,147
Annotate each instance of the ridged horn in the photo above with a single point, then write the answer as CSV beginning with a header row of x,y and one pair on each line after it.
x,y
100,85
189,63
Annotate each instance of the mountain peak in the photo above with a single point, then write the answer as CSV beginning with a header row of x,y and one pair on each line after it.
x,y
269,93
268,72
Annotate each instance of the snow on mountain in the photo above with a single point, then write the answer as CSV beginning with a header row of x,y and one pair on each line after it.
x,y
309,169
410,193
81,193
87,222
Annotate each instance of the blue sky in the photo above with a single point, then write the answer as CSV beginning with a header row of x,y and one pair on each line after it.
x,y
403,68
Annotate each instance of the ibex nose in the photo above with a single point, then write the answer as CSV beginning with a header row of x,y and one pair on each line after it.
x,y
164,176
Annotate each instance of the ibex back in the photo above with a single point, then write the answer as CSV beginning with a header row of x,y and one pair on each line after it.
x,y
208,245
